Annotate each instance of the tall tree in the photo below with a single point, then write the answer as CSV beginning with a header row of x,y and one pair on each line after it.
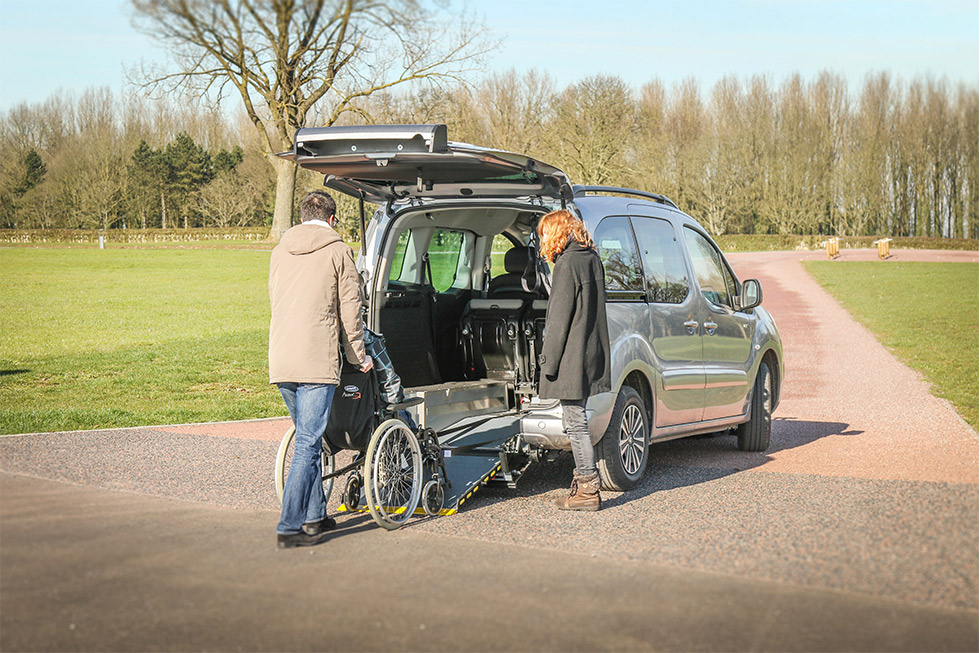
x,y
190,169
592,126
283,57
686,132
34,170
146,181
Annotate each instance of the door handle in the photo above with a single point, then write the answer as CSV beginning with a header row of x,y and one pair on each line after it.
x,y
710,328
691,326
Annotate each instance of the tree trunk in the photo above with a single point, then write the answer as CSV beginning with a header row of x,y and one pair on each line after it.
x,y
282,219
163,207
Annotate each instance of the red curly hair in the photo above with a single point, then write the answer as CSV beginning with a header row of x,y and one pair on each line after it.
x,y
561,225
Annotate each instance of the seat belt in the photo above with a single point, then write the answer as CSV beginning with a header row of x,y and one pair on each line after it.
x,y
532,265
427,271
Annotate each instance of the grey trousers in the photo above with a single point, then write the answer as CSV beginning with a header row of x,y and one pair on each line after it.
x,y
577,429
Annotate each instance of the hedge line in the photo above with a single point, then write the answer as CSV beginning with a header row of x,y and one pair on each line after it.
x,y
767,243
728,243
132,235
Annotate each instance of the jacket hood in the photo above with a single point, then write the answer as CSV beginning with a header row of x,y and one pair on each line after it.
x,y
307,238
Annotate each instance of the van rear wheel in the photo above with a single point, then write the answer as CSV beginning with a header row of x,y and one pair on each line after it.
x,y
622,453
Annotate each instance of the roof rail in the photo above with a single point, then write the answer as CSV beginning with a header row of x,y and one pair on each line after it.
x,y
581,191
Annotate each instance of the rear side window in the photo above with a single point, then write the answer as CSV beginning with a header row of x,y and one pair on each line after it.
x,y
398,259
614,241
713,278
445,250
663,260
501,245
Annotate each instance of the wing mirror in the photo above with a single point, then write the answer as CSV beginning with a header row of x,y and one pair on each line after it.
x,y
751,294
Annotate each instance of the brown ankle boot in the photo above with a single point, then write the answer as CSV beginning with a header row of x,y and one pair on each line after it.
x,y
584,494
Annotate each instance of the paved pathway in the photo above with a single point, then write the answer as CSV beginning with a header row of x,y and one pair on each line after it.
x,y
857,530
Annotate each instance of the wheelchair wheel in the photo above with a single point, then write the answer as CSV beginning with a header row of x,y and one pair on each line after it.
x,y
433,498
352,493
393,474
284,458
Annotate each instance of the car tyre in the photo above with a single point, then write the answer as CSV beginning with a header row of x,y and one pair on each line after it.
x,y
622,453
754,434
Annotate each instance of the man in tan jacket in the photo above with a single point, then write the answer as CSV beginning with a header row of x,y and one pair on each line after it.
x,y
315,293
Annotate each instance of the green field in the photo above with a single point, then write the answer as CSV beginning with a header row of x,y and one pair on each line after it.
x,y
926,313
95,339
92,338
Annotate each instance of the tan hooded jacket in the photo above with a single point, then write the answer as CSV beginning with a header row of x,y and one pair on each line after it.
x,y
315,293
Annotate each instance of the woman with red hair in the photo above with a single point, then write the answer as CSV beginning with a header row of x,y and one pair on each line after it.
x,y
575,353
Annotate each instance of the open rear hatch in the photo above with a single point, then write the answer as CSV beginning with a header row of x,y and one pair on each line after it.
x,y
382,163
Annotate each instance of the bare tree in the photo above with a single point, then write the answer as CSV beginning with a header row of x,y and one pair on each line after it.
x,y
283,57
968,108
687,133
511,110
649,157
866,174
592,126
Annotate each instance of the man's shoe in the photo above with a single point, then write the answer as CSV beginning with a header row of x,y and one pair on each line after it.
x,y
317,527
292,540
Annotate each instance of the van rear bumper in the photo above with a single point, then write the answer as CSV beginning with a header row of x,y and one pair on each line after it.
x,y
542,427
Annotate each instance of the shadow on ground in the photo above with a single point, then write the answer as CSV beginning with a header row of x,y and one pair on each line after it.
x,y
673,464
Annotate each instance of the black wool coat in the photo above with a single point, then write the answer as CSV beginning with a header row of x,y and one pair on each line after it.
x,y
575,354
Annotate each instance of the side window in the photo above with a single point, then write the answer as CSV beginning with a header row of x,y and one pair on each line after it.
x,y
614,240
398,259
734,290
663,260
713,278
501,245
445,250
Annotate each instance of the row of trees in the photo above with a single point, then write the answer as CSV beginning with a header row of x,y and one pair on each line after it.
x,y
750,156
99,161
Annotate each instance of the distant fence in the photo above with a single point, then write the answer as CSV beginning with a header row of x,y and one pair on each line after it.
x,y
197,234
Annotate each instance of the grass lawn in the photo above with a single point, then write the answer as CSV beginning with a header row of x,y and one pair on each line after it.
x,y
103,338
926,313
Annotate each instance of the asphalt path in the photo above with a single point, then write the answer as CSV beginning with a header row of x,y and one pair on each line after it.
x,y
857,530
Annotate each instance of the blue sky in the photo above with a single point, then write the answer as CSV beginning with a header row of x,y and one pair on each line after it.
x,y
50,44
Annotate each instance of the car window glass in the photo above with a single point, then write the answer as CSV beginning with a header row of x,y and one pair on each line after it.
x,y
398,258
708,268
445,248
501,244
663,260
730,283
614,241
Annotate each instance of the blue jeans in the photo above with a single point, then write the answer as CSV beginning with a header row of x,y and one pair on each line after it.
x,y
302,497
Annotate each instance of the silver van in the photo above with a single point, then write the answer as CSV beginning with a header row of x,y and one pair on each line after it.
x,y
454,283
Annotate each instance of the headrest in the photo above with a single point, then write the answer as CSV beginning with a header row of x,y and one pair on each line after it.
x,y
515,260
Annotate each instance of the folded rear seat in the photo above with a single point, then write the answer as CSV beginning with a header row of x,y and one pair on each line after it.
x,y
532,331
491,330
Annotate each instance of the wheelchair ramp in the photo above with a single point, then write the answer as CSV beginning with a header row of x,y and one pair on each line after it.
x,y
467,474
472,457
